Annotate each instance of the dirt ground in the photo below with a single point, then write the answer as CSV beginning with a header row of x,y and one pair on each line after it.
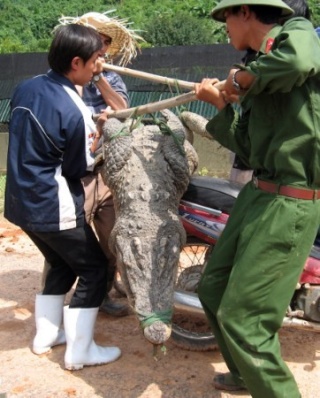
x,y
178,374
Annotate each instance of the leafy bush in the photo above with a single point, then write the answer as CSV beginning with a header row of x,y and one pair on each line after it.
x,y
27,26
179,29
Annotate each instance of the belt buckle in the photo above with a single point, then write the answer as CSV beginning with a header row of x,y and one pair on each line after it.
x,y
255,181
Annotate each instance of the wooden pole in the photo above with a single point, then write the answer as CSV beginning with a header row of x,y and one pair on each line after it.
x,y
149,76
153,106
156,78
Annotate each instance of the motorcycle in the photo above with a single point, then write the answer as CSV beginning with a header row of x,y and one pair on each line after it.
x,y
204,211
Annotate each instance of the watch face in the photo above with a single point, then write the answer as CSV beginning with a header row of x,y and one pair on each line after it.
x,y
96,78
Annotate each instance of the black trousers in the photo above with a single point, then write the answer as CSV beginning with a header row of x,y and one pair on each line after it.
x,y
74,253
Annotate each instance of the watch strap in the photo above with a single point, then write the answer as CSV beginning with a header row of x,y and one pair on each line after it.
x,y
235,84
97,78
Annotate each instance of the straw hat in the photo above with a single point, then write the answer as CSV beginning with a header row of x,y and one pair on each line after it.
x,y
125,41
218,12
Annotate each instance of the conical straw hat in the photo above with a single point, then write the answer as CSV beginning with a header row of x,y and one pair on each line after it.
x,y
125,41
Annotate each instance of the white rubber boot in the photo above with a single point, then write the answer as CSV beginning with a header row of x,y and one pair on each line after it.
x,y
81,349
48,315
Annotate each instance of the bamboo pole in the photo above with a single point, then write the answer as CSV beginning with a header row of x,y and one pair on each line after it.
x,y
149,76
159,105
153,106
156,78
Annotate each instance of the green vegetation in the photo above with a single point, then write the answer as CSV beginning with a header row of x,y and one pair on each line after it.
x,y
26,26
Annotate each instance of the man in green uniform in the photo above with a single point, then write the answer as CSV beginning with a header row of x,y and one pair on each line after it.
x,y
256,264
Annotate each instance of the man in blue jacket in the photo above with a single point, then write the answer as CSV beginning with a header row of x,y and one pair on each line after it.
x,y
51,133
106,89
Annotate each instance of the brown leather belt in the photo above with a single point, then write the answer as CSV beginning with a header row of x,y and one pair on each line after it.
x,y
297,193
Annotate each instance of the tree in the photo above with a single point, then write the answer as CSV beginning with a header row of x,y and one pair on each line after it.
x,y
179,29
27,26
315,11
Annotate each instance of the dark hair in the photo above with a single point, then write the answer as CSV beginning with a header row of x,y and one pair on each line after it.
x,y
264,14
72,41
300,8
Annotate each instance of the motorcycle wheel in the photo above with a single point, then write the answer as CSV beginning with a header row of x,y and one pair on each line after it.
x,y
189,331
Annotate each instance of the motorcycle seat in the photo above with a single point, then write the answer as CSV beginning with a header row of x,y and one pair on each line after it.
x,y
220,194
216,193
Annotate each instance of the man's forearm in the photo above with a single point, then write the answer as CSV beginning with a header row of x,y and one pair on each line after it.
x,y
111,97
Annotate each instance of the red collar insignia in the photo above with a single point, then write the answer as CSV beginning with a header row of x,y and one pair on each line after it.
x,y
269,44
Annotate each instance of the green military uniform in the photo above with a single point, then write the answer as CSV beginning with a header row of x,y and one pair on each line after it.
x,y
254,268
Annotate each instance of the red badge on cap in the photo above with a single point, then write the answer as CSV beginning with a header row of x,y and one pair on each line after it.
x,y
269,45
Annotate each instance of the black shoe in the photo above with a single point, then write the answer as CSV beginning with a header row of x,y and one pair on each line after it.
x,y
114,308
228,382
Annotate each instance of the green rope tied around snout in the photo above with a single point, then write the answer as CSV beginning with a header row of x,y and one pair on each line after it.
x,y
162,316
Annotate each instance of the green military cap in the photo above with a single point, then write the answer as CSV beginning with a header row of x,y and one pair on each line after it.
x,y
218,11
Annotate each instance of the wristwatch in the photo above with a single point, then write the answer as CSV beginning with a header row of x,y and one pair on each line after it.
x,y
235,84
96,78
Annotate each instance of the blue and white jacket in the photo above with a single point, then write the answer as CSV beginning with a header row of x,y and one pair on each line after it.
x,y
50,134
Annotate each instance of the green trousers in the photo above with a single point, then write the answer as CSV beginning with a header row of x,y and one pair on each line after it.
x,y
249,281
